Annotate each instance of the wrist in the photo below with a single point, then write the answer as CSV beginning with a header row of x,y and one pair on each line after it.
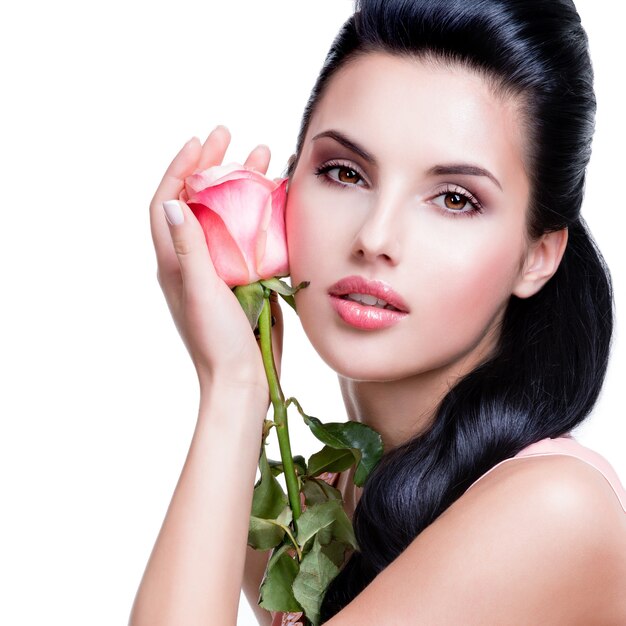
x,y
251,397
239,380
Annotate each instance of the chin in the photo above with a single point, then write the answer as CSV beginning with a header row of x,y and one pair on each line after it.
x,y
352,367
394,361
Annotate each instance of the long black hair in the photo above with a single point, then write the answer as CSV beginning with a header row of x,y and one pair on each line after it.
x,y
548,367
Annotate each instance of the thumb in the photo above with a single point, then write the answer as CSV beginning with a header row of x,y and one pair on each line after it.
x,y
190,245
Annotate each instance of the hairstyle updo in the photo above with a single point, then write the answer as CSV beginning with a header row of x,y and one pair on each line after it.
x,y
547,370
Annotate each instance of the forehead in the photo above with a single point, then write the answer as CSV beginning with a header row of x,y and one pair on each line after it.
x,y
408,107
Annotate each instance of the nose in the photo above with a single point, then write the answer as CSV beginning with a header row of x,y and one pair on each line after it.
x,y
378,237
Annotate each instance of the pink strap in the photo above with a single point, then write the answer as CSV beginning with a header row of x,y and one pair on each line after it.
x,y
569,446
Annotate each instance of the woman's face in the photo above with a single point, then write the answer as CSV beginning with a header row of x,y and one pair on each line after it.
x,y
412,175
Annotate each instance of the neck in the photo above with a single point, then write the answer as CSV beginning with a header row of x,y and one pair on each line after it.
x,y
398,409
401,409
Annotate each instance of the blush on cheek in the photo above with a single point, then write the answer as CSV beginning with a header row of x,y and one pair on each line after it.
x,y
295,229
311,236
465,298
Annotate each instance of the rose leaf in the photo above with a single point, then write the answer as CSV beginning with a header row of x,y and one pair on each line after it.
x,y
330,460
317,491
276,590
328,517
298,461
264,534
268,497
251,300
316,572
365,442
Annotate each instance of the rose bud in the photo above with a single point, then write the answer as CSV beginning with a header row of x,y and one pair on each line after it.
x,y
242,214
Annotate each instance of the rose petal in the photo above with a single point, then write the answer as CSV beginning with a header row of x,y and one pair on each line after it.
x,y
239,203
272,259
262,233
219,174
205,178
248,175
228,260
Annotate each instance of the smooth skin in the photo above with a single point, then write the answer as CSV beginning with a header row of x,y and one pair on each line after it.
x,y
539,540
195,571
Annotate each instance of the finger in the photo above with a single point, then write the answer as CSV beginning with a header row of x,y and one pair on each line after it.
x,y
259,159
214,148
170,187
190,247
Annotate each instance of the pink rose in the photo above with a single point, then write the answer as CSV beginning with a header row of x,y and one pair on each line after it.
x,y
242,214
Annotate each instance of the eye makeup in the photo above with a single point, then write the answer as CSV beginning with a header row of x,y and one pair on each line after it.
x,y
449,191
323,171
457,193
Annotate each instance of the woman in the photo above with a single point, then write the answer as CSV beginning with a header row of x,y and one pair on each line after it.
x,y
440,168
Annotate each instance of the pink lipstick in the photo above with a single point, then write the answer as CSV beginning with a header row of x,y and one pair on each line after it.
x,y
367,304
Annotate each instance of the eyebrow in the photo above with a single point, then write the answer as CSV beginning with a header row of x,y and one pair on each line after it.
x,y
347,143
463,169
437,170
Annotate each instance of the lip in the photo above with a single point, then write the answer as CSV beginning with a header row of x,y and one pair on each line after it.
x,y
361,315
376,288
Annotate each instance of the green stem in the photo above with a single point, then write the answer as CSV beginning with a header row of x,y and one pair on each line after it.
x,y
295,543
279,406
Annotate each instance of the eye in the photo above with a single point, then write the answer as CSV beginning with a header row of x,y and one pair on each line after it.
x,y
344,175
455,201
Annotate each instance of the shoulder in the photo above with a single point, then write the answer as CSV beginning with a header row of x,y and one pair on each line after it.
x,y
561,525
566,509
560,484
539,540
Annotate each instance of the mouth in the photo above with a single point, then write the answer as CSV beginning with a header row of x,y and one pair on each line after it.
x,y
368,300
371,293
367,304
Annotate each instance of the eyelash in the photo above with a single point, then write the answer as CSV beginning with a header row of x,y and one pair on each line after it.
x,y
321,172
476,206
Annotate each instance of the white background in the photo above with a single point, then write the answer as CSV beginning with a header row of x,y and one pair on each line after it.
x,y
99,397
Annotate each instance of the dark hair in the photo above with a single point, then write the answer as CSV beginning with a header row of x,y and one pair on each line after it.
x,y
547,370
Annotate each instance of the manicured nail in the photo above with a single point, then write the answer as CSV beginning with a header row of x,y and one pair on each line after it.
x,y
173,212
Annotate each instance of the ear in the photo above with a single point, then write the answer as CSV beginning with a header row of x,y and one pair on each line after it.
x,y
542,260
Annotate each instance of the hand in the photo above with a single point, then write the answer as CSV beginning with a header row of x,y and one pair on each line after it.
x,y
208,316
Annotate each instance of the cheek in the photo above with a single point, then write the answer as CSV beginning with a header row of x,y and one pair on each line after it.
x,y
310,234
298,234
466,287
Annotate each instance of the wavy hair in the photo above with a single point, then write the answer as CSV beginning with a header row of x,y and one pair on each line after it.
x,y
548,367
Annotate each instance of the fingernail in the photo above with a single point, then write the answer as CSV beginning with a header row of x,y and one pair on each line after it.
x,y
173,212
191,141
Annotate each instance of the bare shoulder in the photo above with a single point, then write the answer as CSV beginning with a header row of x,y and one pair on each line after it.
x,y
562,483
540,540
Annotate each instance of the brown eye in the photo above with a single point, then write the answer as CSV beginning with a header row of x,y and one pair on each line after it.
x,y
455,201
346,175
342,175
